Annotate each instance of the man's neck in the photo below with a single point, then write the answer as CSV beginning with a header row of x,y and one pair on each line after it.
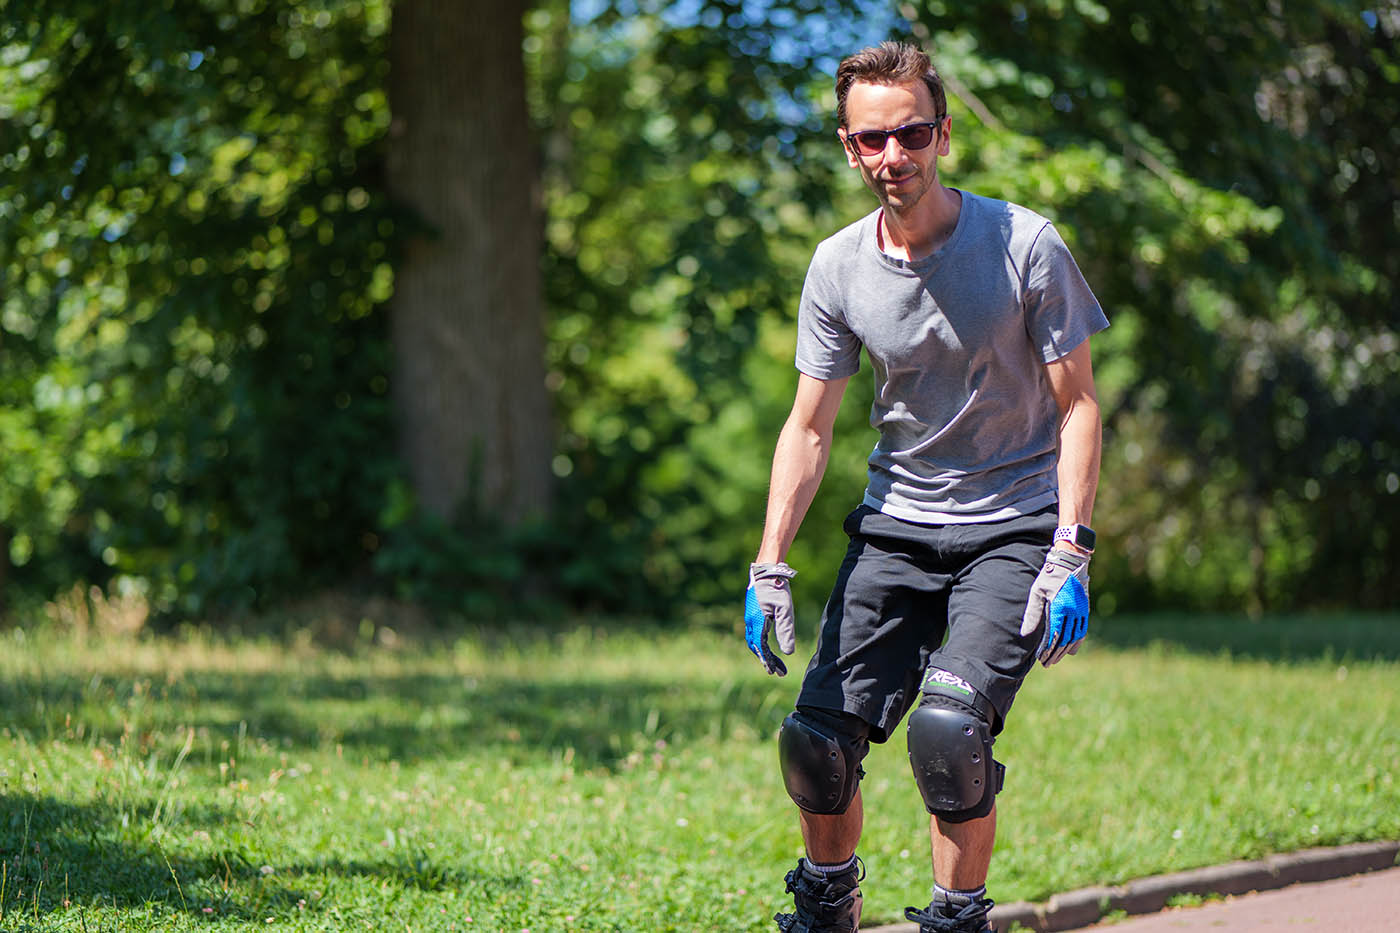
x,y
920,231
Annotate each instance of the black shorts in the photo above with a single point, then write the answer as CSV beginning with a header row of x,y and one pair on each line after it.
x,y
902,588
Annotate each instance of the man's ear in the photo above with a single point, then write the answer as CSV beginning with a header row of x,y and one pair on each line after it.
x,y
945,137
846,148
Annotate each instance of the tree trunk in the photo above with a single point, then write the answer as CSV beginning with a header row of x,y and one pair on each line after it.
x,y
468,334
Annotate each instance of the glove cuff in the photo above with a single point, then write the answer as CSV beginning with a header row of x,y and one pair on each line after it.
x,y
770,571
1063,557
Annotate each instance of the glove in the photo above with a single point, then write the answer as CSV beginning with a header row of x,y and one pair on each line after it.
x,y
768,608
1059,601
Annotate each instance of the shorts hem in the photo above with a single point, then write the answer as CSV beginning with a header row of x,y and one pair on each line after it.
x,y
881,718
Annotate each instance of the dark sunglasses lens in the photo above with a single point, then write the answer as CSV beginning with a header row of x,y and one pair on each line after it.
x,y
914,137
871,142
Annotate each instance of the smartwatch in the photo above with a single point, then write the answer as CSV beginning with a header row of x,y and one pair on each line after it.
x,y
1081,536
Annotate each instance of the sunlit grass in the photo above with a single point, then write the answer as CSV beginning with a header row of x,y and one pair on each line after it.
x,y
615,778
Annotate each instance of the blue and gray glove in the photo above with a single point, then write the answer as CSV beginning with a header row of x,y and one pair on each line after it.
x,y
768,608
1059,602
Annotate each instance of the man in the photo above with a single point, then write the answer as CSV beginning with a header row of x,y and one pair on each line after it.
x,y
968,558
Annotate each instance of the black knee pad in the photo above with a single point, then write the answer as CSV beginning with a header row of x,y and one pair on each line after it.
x,y
820,752
950,750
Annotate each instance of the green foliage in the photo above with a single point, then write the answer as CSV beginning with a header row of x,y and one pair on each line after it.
x,y
196,251
193,255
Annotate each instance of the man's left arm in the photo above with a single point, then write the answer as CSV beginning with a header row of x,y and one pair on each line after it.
x,y
1081,435
1059,599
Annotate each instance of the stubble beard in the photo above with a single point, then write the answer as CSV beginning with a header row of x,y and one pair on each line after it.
x,y
900,202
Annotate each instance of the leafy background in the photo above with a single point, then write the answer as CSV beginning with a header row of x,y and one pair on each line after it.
x,y
197,260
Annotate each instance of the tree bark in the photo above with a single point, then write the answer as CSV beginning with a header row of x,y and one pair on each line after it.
x,y
467,319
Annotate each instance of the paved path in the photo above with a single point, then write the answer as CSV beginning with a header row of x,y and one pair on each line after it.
x,y
1361,904
1346,889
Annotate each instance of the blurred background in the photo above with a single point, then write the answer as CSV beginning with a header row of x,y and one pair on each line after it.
x,y
489,307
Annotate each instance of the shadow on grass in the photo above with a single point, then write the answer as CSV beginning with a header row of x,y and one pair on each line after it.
x,y
594,724
60,856
1286,639
405,718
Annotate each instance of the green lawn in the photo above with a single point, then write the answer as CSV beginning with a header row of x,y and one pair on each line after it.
x,y
611,778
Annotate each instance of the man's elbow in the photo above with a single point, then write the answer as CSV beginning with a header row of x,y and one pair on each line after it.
x,y
811,439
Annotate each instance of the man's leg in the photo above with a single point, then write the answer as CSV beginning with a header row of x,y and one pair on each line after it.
x,y
831,839
870,656
826,884
950,747
962,852
820,752
967,690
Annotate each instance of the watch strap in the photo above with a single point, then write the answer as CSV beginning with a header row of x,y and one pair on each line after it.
x,y
1081,536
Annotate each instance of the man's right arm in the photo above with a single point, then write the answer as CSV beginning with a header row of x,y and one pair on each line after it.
x,y
799,462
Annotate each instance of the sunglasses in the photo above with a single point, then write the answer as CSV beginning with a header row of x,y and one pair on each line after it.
x,y
910,136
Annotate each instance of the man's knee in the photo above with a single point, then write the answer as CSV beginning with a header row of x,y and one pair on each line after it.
x,y
820,752
950,750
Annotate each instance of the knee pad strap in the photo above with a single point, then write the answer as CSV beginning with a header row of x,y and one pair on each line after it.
x,y
821,760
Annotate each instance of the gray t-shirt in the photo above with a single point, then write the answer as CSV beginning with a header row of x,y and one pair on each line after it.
x,y
958,340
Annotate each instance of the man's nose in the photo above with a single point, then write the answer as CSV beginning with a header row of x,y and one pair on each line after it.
x,y
894,152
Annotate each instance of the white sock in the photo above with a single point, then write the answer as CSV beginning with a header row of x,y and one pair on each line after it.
x,y
956,898
829,870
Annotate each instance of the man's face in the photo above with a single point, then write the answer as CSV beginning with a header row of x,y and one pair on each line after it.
x,y
899,177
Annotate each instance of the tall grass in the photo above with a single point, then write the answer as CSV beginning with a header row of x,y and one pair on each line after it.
x,y
617,778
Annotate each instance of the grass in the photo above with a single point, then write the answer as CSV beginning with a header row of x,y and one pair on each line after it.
x,y
610,777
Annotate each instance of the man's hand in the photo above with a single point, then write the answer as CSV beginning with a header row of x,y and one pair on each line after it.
x,y
1059,601
768,608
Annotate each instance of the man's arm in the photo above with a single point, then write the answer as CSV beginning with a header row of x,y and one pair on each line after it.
x,y
1081,435
1059,599
799,462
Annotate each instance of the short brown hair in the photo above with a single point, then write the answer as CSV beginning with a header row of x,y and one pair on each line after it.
x,y
888,63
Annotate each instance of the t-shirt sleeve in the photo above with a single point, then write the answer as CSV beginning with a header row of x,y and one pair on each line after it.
x,y
1061,310
826,346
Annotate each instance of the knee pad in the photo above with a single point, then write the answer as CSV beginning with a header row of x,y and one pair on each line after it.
x,y
950,750
820,752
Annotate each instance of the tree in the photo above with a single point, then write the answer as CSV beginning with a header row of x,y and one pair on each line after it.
x,y
473,412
